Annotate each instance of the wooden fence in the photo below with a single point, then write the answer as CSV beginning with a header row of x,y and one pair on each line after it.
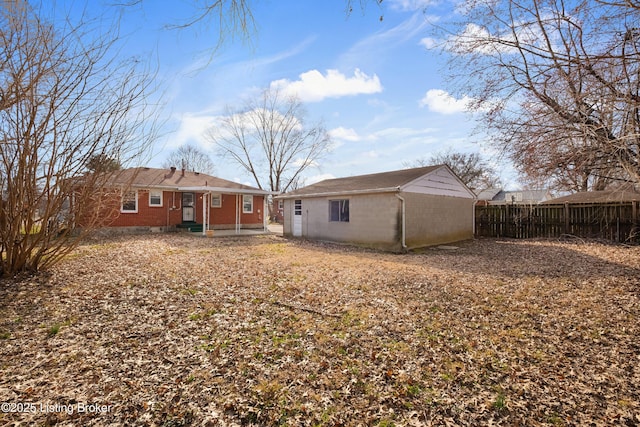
x,y
619,222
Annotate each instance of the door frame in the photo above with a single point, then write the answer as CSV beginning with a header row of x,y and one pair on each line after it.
x,y
188,207
296,214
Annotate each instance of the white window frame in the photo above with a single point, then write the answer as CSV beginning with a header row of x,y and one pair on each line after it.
x,y
156,193
247,198
122,200
216,196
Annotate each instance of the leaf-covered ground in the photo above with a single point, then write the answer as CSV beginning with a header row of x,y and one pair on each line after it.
x,y
183,330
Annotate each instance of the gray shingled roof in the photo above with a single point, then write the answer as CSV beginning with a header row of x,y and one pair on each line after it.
x,y
607,196
489,193
167,178
525,196
363,183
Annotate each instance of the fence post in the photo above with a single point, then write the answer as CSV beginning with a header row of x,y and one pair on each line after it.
x,y
635,221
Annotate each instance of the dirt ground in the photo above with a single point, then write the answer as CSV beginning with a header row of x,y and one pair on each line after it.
x,y
174,330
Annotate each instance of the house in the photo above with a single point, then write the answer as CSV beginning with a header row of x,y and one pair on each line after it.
x,y
497,196
169,199
623,195
394,211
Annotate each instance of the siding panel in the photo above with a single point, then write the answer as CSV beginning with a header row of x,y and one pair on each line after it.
x,y
440,182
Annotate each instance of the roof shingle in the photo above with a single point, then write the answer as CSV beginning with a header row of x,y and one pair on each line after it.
x,y
607,196
173,178
370,182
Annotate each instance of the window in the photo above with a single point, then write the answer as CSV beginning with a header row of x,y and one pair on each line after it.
x,y
216,200
339,210
188,199
155,198
247,203
129,202
297,207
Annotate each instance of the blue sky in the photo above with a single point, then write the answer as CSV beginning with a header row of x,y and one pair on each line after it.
x,y
376,86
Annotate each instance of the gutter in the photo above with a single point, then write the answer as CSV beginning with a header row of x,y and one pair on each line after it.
x,y
339,193
204,189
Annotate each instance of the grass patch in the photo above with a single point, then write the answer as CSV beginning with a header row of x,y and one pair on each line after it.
x,y
53,330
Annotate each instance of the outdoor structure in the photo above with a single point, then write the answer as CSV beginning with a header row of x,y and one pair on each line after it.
x,y
612,215
394,211
170,199
497,196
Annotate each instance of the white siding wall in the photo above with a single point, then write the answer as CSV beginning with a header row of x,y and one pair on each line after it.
x,y
440,182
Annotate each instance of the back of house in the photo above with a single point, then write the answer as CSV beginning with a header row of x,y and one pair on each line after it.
x,y
396,210
150,199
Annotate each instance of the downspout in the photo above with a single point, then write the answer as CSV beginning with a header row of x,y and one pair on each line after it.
x,y
240,207
473,217
404,223
204,214
237,214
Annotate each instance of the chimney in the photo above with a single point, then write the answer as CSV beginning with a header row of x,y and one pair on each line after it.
x,y
182,171
173,169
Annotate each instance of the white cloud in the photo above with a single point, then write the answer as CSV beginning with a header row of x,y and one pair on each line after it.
x,y
191,129
395,138
477,39
313,86
377,48
317,178
429,43
344,134
440,101
409,5
299,162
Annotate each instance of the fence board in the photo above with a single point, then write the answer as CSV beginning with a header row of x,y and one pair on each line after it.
x,y
618,222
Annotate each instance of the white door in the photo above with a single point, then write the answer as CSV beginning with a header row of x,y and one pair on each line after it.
x,y
297,218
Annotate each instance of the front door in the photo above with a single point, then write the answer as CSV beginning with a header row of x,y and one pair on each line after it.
x,y
297,218
188,207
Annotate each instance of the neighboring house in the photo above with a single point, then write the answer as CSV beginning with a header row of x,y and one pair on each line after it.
x,y
395,211
497,196
276,208
168,199
598,197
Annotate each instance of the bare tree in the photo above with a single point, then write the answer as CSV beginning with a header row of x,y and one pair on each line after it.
x,y
63,102
558,82
269,140
191,158
547,154
475,172
230,18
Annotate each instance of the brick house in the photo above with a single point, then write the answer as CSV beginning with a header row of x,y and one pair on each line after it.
x,y
168,199
396,211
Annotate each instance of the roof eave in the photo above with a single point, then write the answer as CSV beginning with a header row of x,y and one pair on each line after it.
x,y
340,193
208,189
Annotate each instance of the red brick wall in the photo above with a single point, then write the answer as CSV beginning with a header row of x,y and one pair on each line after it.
x,y
153,216
226,215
